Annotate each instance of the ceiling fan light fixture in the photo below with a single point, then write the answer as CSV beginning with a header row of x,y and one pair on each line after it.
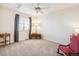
x,y
38,9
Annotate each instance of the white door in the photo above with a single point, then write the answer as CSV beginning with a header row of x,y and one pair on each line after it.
x,y
23,28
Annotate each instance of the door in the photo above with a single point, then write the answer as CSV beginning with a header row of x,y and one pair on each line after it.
x,y
24,27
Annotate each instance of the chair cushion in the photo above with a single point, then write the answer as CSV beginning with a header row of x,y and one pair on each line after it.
x,y
65,49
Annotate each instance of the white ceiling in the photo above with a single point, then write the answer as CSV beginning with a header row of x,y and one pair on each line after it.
x,y
29,7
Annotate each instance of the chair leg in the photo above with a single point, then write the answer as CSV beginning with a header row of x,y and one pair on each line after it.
x,y
58,50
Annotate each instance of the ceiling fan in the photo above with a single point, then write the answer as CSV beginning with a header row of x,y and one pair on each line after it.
x,y
38,8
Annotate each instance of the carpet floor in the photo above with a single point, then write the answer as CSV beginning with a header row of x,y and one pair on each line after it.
x,y
30,48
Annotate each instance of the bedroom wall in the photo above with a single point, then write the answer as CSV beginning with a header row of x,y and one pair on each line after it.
x,y
7,18
59,25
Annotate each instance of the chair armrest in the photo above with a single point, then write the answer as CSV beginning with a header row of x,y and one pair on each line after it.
x,y
65,45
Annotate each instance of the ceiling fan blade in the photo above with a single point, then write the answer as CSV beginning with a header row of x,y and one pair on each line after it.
x,y
45,8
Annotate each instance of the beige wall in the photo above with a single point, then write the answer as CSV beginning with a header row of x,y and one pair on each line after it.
x,y
58,26
7,18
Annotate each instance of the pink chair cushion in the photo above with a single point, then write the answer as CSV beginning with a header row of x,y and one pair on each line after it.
x,y
74,45
65,49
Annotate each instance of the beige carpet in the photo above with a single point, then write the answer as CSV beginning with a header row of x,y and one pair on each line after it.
x,y
30,48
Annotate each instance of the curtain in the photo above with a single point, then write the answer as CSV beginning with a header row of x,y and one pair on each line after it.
x,y
30,22
16,28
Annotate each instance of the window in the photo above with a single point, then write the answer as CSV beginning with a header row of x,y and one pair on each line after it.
x,y
23,23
